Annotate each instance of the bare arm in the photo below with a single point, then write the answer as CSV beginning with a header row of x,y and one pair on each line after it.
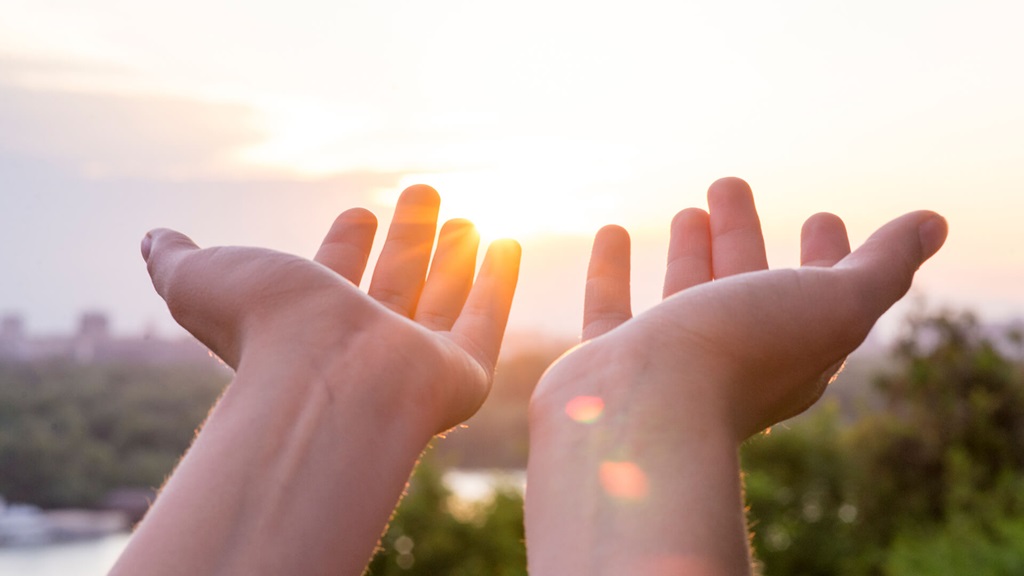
x,y
652,484
336,392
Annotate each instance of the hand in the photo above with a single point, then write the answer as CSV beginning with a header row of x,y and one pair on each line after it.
x,y
633,435
741,345
437,335
336,392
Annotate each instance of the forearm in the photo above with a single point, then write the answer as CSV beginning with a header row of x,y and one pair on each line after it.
x,y
290,475
632,492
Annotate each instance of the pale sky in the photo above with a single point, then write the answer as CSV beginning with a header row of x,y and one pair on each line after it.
x,y
257,122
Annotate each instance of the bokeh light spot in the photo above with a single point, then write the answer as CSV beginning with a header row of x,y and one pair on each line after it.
x,y
623,480
585,409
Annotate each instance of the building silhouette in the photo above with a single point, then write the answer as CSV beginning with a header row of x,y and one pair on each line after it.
x,y
93,342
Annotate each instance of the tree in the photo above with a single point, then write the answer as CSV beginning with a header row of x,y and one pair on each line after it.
x,y
69,433
433,532
931,484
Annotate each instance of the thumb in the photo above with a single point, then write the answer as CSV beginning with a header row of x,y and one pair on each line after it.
x,y
882,269
163,250
198,308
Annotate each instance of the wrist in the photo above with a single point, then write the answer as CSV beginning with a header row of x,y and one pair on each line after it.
x,y
293,472
609,385
647,481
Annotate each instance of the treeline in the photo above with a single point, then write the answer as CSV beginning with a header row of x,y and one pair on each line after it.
x,y
932,482
928,478
71,433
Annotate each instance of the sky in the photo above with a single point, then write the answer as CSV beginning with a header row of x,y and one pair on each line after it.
x,y
257,122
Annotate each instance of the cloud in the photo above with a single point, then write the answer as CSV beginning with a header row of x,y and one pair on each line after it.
x,y
110,134
83,174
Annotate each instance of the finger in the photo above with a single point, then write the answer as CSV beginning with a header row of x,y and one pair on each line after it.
x,y
347,245
882,269
402,265
481,324
689,251
823,240
606,300
185,288
737,245
451,276
163,250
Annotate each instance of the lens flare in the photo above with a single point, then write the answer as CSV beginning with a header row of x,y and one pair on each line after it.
x,y
585,409
623,480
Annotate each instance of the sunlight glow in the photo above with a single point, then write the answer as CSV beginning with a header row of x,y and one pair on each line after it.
x,y
303,137
609,114
506,205
623,480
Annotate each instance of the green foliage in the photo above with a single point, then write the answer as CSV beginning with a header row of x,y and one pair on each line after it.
x,y
960,391
433,532
802,522
69,433
963,545
933,484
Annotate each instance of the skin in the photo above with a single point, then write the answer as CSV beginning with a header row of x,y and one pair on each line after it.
x,y
653,485
336,392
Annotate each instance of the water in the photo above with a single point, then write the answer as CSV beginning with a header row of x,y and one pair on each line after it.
x,y
96,557
85,558
475,485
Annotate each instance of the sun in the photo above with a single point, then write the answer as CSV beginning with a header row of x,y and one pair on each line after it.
x,y
502,205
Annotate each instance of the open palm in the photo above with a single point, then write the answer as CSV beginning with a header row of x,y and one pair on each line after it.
x,y
749,345
438,332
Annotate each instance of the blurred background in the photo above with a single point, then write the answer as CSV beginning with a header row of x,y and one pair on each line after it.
x,y
257,123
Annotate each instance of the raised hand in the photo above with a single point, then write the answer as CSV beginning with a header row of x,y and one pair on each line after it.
x,y
634,434
761,343
440,332
336,392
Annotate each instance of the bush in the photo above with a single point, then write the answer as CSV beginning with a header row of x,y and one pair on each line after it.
x,y
432,532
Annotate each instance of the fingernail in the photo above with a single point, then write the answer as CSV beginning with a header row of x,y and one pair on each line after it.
x,y
932,233
147,244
